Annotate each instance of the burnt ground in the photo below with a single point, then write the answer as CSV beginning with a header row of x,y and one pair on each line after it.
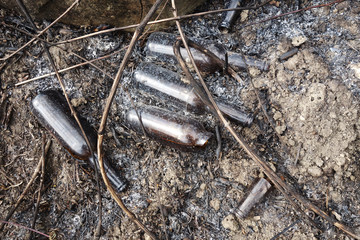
x,y
313,97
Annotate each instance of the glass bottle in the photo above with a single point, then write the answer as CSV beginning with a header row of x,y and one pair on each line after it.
x,y
53,113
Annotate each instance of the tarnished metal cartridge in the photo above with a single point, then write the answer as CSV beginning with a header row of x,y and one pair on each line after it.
x,y
166,84
160,45
235,114
53,113
256,193
229,16
288,54
169,128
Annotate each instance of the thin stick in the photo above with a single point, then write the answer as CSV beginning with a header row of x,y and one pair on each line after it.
x,y
135,37
21,226
69,68
26,33
40,33
161,21
43,156
93,65
285,230
278,182
219,145
33,177
157,17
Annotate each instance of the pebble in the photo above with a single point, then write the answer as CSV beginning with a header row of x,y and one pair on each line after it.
x,y
335,196
215,204
291,142
337,216
356,68
315,171
230,223
280,129
244,15
201,191
277,115
254,72
298,40
340,160
78,101
319,162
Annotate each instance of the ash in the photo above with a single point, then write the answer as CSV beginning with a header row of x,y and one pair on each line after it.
x,y
312,97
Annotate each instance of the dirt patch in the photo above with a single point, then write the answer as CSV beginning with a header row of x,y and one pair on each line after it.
x,y
312,97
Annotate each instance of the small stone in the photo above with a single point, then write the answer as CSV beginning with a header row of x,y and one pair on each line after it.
x,y
147,237
356,68
78,101
65,32
277,115
254,72
272,166
291,142
335,196
332,115
340,160
243,16
298,40
215,204
337,216
201,191
347,174
319,162
257,218
230,223
280,129
337,169
292,63
315,171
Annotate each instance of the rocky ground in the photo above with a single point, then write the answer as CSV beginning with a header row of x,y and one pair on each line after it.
x,y
312,98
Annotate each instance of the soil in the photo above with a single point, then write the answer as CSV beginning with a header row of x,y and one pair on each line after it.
x,y
311,97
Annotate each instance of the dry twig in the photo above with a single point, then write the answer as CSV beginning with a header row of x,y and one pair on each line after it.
x,y
21,226
69,68
116,82
43,156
